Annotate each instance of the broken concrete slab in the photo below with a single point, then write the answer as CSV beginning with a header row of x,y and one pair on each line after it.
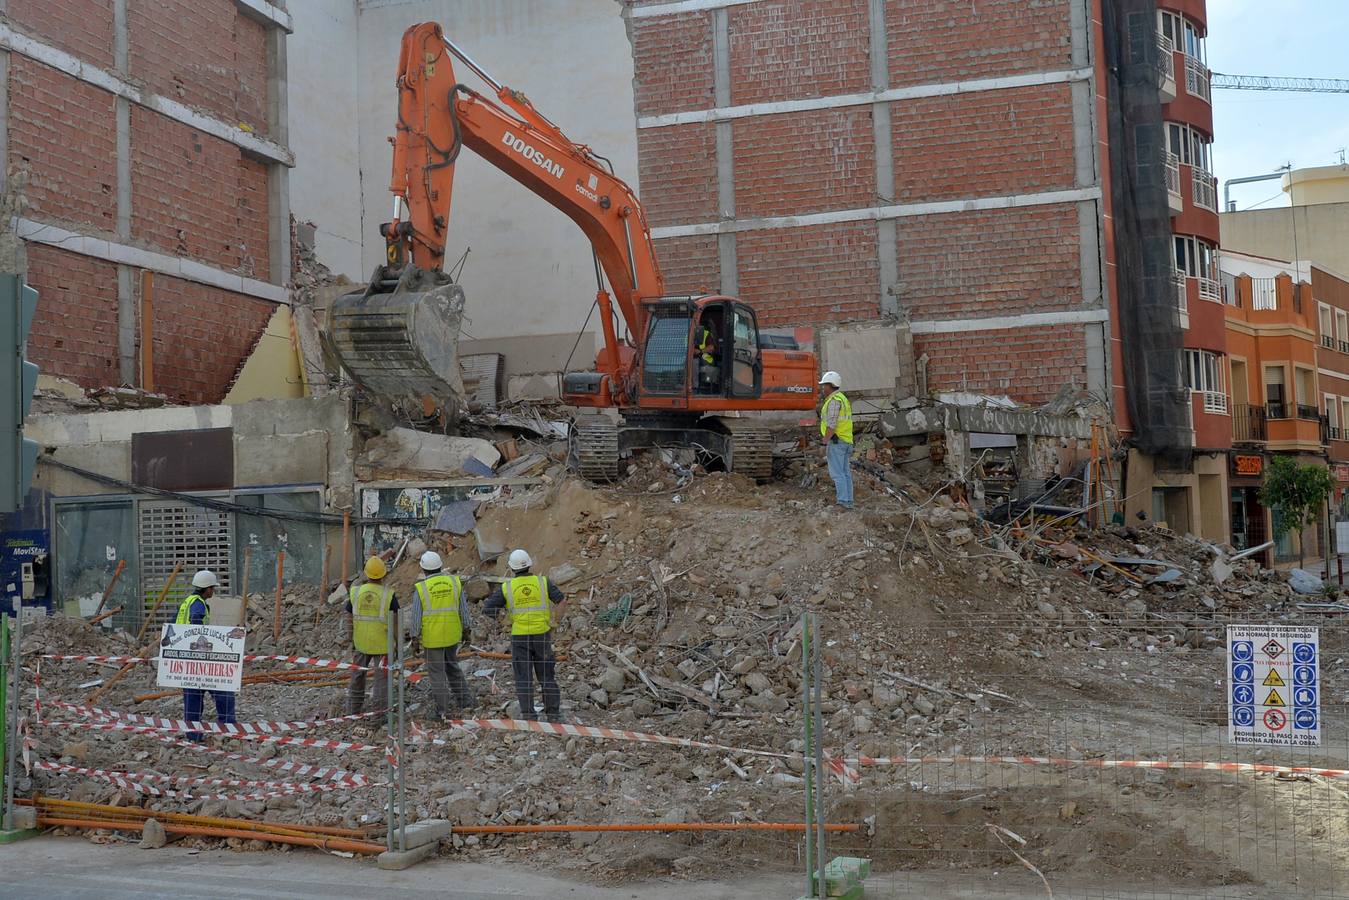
x,y
406,449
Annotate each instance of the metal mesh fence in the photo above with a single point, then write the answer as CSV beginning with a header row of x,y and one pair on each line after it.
x,y
1090,760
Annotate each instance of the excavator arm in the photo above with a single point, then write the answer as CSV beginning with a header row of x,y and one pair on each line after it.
x,y
438,117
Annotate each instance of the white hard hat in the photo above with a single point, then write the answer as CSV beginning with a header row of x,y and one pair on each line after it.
x,y
519,560
833,378
431,561
204,579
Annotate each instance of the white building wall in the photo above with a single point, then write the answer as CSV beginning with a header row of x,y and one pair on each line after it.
x,y
530,272
325,185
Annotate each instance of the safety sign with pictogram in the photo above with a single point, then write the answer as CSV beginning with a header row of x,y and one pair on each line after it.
x,y
1273,685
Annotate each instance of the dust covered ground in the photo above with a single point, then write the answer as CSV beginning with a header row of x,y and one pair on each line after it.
x,y
944,637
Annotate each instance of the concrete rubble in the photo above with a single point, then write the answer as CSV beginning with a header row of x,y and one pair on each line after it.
x,y
684,620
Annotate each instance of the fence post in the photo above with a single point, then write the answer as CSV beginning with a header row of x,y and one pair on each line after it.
x,y
12,718
4,718
821,857
807,757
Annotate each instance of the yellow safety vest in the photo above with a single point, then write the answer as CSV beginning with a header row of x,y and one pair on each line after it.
x,y
704,345
370,618
441,623
185,611
527,602
844,429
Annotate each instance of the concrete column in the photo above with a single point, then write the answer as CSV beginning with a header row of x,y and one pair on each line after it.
x,y
126,275
278,175
887,230
721,83
1088,166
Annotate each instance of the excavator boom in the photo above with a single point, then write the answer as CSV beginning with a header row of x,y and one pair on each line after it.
x,y
656,373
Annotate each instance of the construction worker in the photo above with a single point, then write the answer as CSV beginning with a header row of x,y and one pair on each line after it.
x,y
530,601
369,607
196,610
836,430
706,351
440,617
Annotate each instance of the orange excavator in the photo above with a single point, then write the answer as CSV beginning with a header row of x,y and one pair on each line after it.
x,y
687,360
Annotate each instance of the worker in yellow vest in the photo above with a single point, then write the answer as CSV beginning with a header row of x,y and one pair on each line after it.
x,y
370,606
195,610
530,600
441,619
836,430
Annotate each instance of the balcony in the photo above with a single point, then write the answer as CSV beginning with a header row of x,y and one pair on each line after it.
x,y
1334,432
1166,67
1210,289
1327,433
1182,295
1276,409
1215,402
1173,197
1344,346
1248,423
1328,342
1264,293
1204,189
1197,79
1308,413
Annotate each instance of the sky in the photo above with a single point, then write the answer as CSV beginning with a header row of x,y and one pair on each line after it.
x,y
1255,132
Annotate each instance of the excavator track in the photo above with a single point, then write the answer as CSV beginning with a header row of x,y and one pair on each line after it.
x,y
751,448
595,441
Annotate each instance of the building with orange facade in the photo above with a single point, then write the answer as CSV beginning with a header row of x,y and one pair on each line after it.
x,y
1288,350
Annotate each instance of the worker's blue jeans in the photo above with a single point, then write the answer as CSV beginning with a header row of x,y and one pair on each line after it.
x,y
839,455
192,707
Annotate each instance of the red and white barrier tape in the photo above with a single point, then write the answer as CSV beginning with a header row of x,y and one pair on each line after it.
x,y
315,743
1065,762
348,779
138,782
311,661
298,770
232,729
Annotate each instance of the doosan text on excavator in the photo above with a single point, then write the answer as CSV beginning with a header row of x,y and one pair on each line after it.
x,y
686,362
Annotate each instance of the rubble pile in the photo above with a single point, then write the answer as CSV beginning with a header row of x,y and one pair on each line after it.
x,y
685,593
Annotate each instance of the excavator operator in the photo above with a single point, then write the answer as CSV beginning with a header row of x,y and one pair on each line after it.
x,y
707,351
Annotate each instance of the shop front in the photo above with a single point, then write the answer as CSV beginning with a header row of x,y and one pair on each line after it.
x,y
1250,520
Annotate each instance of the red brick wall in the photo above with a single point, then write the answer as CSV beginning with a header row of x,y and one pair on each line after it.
x,y
65,132
690,263
204,53
82,28
993,262
789,49
674,59
1030,364
196,195
804,162
75,329
810,275
986,143
677,167
202,336
933,41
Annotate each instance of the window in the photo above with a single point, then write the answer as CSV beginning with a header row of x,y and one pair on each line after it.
x,y
1194,257
1342,326
1306,392
1169,25
1194,42
1344,411
1332,408
1276,392
1204,371
1189,145
1327,330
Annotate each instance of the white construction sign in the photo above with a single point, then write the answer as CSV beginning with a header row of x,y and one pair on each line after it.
x,y
1274,685
202,656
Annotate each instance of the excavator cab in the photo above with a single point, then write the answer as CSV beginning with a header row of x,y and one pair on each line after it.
x,y
699,351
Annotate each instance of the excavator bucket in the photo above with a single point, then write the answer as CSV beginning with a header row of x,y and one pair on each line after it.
x,y
399,337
